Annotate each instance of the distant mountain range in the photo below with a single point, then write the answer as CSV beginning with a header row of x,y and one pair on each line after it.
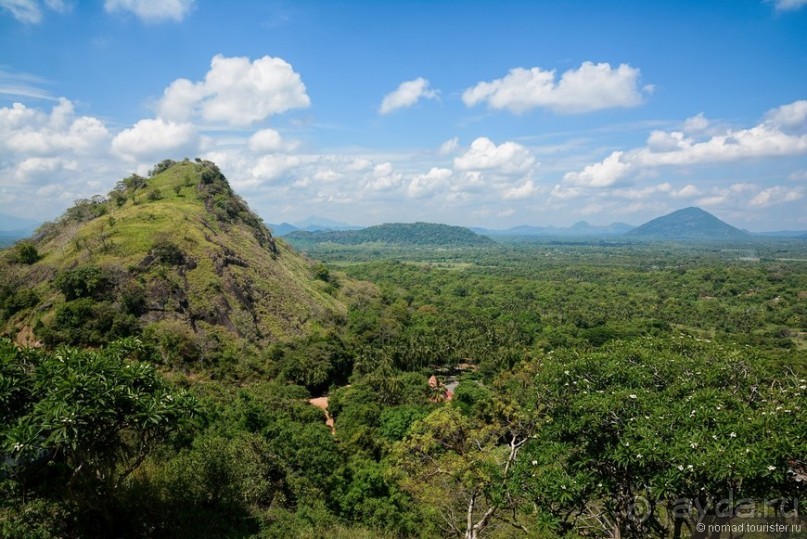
x,y
783,234
13,229
581,228
423,234
10,223
688,224
311,224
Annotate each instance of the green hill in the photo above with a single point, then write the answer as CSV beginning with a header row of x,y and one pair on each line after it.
x,y
414,234
690,224
177,257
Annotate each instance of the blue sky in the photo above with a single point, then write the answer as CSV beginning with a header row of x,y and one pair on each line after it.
x,y
472,113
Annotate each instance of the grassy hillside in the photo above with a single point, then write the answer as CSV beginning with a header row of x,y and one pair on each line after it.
x,y
177,256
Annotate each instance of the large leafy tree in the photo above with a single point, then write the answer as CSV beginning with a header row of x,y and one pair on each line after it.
x,y
640,430
463,466
74,423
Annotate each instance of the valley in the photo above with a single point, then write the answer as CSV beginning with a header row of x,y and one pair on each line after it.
x,y
164,353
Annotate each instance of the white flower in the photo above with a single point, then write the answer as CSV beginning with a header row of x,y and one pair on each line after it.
x,y
771,468
733,435
563,487
638,455
535,463
681,467
693,445
689,467
566,373
633,396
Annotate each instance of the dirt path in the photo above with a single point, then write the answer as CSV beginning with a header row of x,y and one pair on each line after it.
x,y
322,404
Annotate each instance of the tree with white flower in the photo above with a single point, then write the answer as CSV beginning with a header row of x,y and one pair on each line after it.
x,y
685,436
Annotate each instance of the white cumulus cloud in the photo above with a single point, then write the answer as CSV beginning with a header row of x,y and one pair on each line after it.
x,y
777,195
790,117
271,167
25,130
152,10
525,190
788,5
407,94
269,140
43,168
236,92
776,136
688,191
506,158
696,124
154,138
600,174
31,11
384,178
450,146
423,185
588,88
799,175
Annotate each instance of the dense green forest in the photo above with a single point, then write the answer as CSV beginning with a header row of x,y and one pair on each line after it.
x,y
430,234
583,389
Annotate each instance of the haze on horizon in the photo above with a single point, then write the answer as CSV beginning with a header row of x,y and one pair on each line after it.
x,y
476,114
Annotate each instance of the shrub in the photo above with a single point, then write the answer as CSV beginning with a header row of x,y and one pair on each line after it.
x,y
82,282
25,253
13,300
162,166
168,252
86,209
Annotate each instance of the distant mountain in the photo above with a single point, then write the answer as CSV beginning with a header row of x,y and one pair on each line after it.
x,y
323,223
282,229
311,224
396,234
783,234
581,228
688,224
13,229
11,223
10,237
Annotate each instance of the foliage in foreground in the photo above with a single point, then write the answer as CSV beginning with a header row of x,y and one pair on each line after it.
x,y
596,397
75,424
